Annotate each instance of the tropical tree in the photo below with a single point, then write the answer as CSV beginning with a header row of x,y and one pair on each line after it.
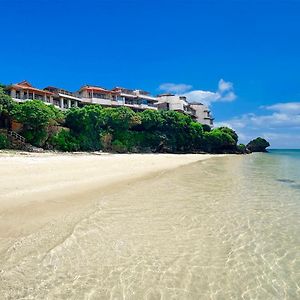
x,y
151,120
121,118
231,132
35,116
6,102
218,141
86,125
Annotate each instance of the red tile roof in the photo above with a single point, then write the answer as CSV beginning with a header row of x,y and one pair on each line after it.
x,y
25,85
97,89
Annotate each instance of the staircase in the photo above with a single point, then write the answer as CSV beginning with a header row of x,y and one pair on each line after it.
x,y
14,135
19,142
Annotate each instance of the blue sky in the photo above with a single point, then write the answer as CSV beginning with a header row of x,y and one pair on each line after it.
x,y
239,56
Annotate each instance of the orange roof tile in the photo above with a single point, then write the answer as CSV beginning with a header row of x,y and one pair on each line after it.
x,y
25,85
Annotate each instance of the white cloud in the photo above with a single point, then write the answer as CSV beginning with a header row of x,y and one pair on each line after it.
x,y
175,88
204,97
224,93
289,107
281,126
225,86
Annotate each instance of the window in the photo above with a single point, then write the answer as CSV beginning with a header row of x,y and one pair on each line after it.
x,y
38,97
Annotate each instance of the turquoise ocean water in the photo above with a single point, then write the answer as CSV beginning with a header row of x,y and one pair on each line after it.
x,y
223,228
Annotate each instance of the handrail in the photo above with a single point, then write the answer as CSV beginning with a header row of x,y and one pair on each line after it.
x,y
17,136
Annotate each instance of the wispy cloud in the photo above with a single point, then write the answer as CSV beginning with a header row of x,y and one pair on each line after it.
x,y
224,93
175,88
288,107
279,123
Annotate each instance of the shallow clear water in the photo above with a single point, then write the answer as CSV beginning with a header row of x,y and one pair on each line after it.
x,y
225,228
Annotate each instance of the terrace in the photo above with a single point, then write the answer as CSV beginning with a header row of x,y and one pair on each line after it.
x,y
24,91
98,95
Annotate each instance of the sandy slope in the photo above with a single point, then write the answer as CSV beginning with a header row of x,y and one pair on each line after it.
x,y
38,188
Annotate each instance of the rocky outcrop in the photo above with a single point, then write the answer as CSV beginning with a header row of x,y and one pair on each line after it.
x,y
258,145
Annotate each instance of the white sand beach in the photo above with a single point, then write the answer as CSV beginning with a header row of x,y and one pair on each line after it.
x,y
36,188
87,226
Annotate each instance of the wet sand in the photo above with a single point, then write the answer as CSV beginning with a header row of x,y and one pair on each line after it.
x,y
150,227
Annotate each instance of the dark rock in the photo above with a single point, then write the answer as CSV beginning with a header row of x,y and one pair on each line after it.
x,y
258,145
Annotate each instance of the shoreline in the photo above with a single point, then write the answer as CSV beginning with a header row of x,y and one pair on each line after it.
x,y
41,187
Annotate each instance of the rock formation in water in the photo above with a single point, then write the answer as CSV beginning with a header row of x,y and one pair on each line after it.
x,y
258,145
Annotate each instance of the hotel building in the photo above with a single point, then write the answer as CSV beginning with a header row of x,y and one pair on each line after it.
x,y
98,95
202,114
63,99
137,100
198,111
23,91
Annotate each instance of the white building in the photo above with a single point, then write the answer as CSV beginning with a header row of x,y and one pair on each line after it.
x,y
203,114
136,99
23,91
98,95
198,111
63,99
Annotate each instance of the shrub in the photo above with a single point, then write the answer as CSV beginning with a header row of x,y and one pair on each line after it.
x,y
35,137
121,118
195,137
230,131
4,142
119,147
151,120
6,102
218,141
206,127
241,148
87,124
64,141
35,116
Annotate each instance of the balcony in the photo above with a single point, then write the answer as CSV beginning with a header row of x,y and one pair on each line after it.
x,y
65,93
24,98
101,101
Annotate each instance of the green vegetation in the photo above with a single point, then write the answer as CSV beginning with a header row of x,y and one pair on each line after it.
x,y
242,148
4,142
36,116
258,145
64,141
6,103
121,130
220,140
6,106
